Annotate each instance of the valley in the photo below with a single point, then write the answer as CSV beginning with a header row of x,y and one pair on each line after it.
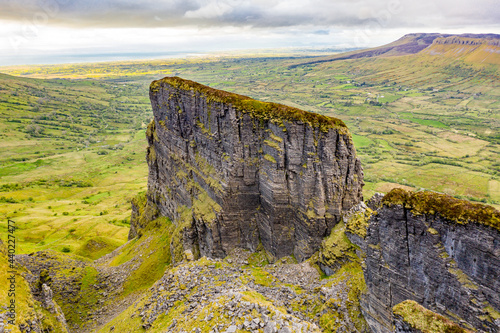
x,y
73,137
137,224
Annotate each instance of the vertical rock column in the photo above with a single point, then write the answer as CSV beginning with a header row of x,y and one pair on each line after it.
x,y
236,172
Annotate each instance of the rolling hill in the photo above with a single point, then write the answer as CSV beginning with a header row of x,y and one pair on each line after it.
x,y
474,47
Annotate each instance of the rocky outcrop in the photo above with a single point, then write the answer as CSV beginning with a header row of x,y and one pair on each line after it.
x,y
236,172
438,251
217,293
375,202
245,293
337,249
469,39
49,304
23,310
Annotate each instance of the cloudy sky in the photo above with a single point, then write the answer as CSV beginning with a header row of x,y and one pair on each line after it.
x,y
34,31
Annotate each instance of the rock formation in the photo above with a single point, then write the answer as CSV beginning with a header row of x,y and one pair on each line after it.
x,y
438,251
469,39
33,310
235,172
49,304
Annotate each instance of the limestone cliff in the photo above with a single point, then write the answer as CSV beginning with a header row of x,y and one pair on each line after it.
x,y
469,39
235,172
436,250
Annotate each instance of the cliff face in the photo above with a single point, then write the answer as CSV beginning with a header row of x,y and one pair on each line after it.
x,y
470,39
234,172
438,251
477,49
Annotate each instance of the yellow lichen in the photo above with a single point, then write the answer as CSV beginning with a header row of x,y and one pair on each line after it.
x,y
269,158
358,223
433,231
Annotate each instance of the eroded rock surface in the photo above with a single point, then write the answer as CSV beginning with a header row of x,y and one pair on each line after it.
x,y
214,295
236,172
438,251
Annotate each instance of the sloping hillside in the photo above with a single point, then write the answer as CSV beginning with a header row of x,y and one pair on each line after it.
x,y
473,47
483,50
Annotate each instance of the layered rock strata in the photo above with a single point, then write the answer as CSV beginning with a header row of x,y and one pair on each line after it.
x,y
236,172
440,252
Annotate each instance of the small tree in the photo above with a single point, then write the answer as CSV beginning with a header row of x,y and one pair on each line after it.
x,y
34,129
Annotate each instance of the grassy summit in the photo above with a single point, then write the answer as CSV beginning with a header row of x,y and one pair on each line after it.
x,y
457,210
259,109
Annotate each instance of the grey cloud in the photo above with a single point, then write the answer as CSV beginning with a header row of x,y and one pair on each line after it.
x,y
321,32
255,13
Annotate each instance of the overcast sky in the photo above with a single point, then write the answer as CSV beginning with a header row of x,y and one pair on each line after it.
x,y
41,29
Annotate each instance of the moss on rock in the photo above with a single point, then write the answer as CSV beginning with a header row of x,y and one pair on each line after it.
x,y
424,320
29,313
460,211
262,110
145,212
350,276
337,249
357,223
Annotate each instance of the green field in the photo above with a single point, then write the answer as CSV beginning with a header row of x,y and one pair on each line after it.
x,y
72,158
73,144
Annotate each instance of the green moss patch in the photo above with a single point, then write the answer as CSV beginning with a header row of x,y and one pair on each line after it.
x,y
258,258
457,210
351,274
97,247
262,277
269,158
358,223
263,110
205,208
425,320
147,212
337,249
176,243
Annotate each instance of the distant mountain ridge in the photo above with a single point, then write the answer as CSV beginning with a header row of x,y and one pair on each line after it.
x,y
416,43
